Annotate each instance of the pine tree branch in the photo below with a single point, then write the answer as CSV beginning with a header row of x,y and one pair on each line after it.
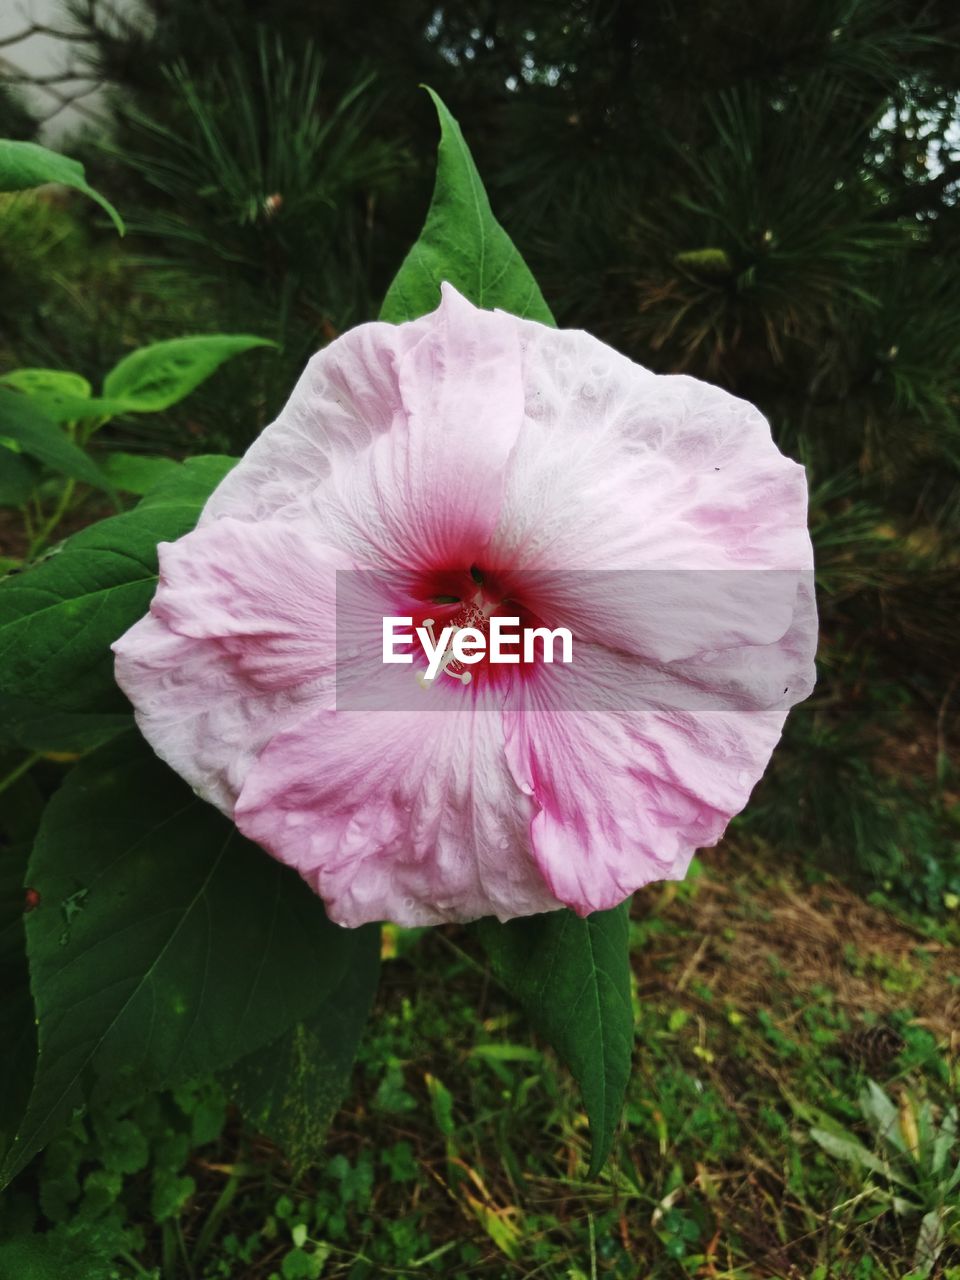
x,y
70,75
64,100
40,29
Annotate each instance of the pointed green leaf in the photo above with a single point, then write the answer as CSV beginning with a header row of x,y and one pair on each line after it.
x,y
945,1141
572,977
26,164
291,1089
164,945
931,1240
59,618
462,243
155,377
882,1114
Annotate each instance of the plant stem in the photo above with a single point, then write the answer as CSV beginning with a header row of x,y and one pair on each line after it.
x,y
20,770
59,512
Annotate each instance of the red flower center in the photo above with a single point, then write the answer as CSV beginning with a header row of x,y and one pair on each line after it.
x,y
463,598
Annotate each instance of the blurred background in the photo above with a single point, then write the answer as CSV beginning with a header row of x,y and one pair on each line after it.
x,y
760,193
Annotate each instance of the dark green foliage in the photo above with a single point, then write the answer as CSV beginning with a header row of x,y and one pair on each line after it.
x,y
58,621
125,1163
758,193
832,795
26,164
572,978
262,186
163,944
292,1088
448,1091
22,807
462,243
37,436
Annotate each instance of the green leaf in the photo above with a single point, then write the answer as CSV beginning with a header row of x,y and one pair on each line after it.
x,y
146,381
23,421
155,377
62,396
33,727
844,1146
49,385
193,481
63,409
137,472
462,243
291,1089
931,1239
58,619
882,1114
572,977
164,946
52,1255
26,164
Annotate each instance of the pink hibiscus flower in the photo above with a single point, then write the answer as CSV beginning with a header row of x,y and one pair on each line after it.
x,y
463,466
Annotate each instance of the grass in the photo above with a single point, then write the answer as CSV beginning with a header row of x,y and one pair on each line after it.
x,y
764,1002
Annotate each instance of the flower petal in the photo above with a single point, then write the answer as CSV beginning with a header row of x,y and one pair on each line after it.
x,y
411,817
396,438
428,493
240,641
347,397
626,793
667,478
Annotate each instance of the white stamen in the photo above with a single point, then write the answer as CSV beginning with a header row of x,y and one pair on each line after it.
x,y
449,656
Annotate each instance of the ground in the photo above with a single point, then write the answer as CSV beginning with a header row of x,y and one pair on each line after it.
x,y
765,1000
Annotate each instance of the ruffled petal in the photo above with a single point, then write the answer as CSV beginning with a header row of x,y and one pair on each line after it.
x,y
240,642
411,817
427,494
630,780
347,397
396,439
628,492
